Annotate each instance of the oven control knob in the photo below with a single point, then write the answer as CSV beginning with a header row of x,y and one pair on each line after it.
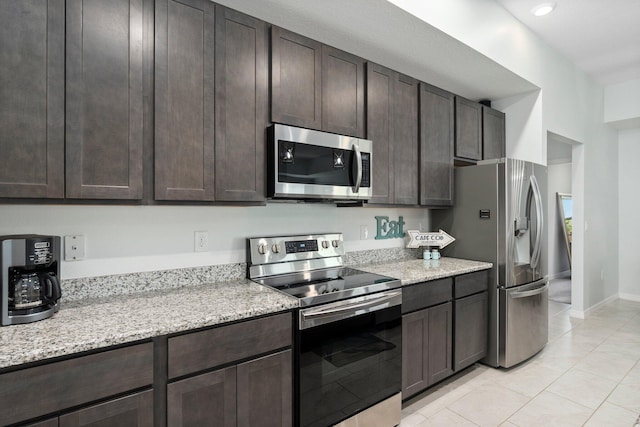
x,y
325,244
335,243
275,248
262,249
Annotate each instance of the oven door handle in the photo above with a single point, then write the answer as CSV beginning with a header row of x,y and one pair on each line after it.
x,y
317,316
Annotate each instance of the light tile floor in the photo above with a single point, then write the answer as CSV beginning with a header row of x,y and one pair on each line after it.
x,y
588,374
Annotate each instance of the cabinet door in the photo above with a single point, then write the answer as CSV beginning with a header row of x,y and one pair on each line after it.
x,y
241,106
342,92
405,143
205,400
264,391
104,99
436,146
380,98
468,129
129,411
472,317
493,133
415,341
184,100
296,83
32,98
440,342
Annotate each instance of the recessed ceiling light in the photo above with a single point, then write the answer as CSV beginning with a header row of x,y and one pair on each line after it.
x,y
543,9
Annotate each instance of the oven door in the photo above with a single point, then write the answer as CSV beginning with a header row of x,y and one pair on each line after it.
x,y
349,357
311,164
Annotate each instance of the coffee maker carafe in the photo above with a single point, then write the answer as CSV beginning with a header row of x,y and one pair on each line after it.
x,y
30,268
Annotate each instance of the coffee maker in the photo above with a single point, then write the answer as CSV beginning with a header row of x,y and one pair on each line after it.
x,y
29,272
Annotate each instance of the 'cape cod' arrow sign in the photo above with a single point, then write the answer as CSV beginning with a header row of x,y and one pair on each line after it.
x,y
418,238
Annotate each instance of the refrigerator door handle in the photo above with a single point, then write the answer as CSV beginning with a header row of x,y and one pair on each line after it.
x,y
537,198
530,293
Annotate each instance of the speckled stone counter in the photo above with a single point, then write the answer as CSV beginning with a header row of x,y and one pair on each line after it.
x,y
93,324
418,270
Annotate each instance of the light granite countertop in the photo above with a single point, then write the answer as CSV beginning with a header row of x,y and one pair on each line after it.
x,y
93,324
90,324
418,270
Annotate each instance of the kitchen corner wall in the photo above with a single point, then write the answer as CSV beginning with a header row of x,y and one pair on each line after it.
x,y
126,239
629,226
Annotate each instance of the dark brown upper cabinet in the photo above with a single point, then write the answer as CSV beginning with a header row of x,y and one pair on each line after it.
x,y
468,129
493,133
405,144
104,97
242,105
342,92
436,146
380,96
184,100
32,98
211,103
315,86
392,126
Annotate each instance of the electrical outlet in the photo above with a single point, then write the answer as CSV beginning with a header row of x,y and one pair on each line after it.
x,y
201,241
74,247
364,232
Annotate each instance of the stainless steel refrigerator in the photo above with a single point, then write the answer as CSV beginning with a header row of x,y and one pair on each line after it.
x,y
498,217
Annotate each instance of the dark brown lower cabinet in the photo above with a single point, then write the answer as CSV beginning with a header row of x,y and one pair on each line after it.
x,y
264,391
135,410
204,400
257,392
427,348
471,322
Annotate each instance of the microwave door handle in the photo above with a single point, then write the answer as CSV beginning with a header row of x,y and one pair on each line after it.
x,y
356,149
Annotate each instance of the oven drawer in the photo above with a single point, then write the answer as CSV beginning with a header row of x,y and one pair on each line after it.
x,y
426,294
225,344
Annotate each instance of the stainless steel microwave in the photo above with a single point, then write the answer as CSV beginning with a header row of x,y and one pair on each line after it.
x,y
309,164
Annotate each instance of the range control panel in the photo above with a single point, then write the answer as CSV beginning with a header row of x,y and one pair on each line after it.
x,y
275,249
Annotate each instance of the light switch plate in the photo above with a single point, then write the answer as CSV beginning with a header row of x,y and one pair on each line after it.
x,y
74,247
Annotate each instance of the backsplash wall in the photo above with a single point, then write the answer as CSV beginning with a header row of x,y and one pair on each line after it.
x,y
127,239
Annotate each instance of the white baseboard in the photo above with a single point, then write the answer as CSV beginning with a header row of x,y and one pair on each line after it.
x,y
630,297
586,313
560,275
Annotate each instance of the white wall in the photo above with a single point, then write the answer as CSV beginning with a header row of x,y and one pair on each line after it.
x,y
622,104
559,181
629,225
123,239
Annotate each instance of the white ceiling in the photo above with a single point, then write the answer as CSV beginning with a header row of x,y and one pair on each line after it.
x,y
602,37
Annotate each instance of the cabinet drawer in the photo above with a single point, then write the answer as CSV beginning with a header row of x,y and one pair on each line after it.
x,y
61,385
426,294
472,283
206,349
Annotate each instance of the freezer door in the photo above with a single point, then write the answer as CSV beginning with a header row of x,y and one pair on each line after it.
x,y
524,316
525,224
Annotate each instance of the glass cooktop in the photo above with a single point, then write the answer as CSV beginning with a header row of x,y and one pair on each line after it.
x,y
326,285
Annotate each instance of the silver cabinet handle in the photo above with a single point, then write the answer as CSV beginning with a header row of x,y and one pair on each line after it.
x,y
356,149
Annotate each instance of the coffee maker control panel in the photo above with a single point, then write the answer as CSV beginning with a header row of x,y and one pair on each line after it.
x,y
39,251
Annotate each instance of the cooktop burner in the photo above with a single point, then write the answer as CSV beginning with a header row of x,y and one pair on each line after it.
x,y
310,268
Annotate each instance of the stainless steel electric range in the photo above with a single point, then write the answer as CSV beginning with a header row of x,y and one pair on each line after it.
x,y
348,344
